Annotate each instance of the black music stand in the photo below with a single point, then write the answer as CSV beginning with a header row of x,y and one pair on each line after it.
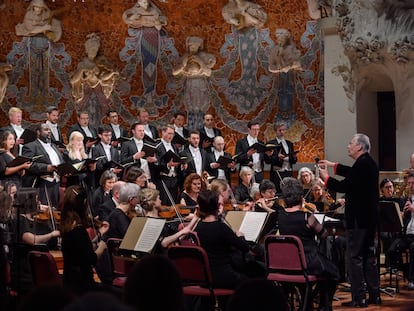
x,y
389,220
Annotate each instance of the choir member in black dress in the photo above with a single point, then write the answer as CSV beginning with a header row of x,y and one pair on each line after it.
x,y
75,154
10,174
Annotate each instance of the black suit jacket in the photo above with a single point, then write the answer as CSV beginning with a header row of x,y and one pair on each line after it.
x,y
77,127
105,209
38,167
274,160
214,171
191,168
203,136
123,131
360,186
242,146
128,150
162,164
98,151
154,131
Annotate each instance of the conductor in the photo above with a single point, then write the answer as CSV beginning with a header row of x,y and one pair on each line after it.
x,y
360,186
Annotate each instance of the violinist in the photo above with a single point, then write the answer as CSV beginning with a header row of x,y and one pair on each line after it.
x,y
219,242
78,252
244,191
306,178
151,204
292,220
31,234
192,186
119,219
322,199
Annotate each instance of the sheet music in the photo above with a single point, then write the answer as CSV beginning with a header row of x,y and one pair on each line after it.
x,y
323,218
149,235
252,225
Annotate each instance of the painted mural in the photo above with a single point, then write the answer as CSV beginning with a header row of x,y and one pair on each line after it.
x,y
238,87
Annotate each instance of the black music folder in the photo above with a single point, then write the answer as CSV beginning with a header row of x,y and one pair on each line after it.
x,y
149,149
142,235
21,160
179,140
28,136
151,140
90,139
224,161
259,147
112,164
67,169
204,137
171,155
389,217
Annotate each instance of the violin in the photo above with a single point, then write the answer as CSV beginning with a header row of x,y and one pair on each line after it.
x,y
308,207
169,212
44,216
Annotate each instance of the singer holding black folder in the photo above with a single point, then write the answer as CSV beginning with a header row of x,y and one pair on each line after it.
x,y
282,160
11,174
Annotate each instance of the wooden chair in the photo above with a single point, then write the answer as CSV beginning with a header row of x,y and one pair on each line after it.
x,y
192,264
44,269
286,265
119,264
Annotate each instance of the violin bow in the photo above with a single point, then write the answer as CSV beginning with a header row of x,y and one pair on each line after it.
x,y
52,217
180,217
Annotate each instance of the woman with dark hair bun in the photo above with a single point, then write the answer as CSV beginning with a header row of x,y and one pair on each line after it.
x,y
78,251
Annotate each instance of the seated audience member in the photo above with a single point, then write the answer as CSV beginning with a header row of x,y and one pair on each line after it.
x,y
147,277
102,301
258,294
78,251
294,221
57,298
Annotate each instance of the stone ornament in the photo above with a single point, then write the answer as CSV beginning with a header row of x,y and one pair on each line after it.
x,y
4,79
93,70
39,20
144,14
195,62
243,14
284,56
319,8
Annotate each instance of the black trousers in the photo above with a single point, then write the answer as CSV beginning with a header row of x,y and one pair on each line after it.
x,y
172,186
397,248
362,263
52,189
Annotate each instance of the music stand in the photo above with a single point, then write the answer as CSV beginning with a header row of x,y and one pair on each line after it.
x,y
389,220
